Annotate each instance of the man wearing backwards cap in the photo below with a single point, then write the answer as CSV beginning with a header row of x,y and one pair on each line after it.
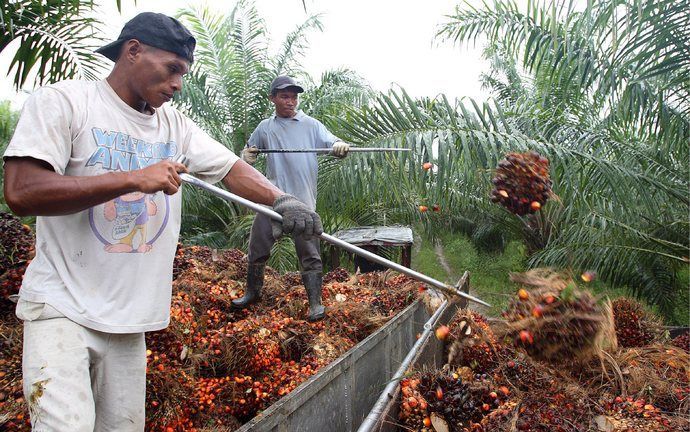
x,y
95,162
295,173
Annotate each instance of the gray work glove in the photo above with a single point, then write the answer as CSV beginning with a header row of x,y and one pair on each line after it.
x,y
340,149
298,219
249,155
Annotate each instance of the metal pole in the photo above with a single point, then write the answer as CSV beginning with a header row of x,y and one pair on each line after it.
x,y
327,150
330,239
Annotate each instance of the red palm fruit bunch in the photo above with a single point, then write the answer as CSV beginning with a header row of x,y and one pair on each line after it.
x,y
499,419
169,394
230,264
189,256
352,320
372,279
551,318
398,291
660,373
224,399
522,183
291,279
14,416
554,411
339,274
413,407
472,343
288,376
537,400
682,342
449,398
635,327
523,373
294,342
252,345
457,402
16,242
10,282
629,414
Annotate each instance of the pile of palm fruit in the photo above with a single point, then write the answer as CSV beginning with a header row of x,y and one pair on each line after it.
x,y
215,368
613,369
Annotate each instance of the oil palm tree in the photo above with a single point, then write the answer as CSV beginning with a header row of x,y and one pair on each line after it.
x,y
611,83
56,39
604,96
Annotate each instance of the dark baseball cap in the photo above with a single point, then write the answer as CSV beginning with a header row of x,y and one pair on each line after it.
x,y
156,30
282,82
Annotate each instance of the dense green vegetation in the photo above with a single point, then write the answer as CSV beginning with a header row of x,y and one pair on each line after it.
x,y
601,93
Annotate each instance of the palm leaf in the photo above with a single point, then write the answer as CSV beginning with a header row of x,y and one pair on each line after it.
x,y
56,40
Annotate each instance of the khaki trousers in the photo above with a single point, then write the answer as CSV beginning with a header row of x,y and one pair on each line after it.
x,y
80,380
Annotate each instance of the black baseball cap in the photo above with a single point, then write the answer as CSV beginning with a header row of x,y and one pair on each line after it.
x,y
156,30
282,82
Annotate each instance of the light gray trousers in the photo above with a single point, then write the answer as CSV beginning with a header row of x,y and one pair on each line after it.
x,y
261,240
81,380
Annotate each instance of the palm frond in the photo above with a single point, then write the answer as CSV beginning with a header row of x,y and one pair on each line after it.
x,y
56,40
602,50
593,174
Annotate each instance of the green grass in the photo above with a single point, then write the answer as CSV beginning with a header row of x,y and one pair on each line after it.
x,y
489,272
424,260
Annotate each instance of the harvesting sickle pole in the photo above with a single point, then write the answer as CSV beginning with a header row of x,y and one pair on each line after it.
x,y
328,151
258,208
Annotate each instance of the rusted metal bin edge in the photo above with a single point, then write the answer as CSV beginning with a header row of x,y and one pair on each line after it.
x,y
427,352
339,396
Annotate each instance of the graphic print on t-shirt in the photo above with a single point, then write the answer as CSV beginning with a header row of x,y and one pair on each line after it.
x,y
131,222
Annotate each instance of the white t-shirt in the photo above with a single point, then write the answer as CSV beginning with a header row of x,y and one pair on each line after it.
x,y
109,268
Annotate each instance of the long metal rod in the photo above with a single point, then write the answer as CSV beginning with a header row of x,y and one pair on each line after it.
x,y
372,418
327,150
332,240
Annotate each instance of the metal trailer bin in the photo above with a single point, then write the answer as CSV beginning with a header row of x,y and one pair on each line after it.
x,y
341,394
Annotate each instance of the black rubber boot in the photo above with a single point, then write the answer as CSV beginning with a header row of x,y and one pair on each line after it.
x,y
255,281
313,282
